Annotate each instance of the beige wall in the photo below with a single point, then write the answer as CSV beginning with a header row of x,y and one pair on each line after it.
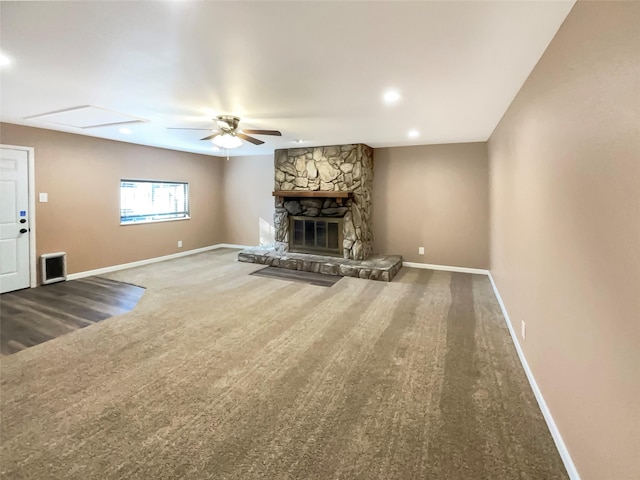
x,y
565,229
81,175
231,201
431,196
248,200
434,196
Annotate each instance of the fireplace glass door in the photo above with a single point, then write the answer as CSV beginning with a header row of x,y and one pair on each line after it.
x,y
315,235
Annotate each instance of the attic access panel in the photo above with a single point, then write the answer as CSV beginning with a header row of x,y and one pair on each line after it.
x,y
86,116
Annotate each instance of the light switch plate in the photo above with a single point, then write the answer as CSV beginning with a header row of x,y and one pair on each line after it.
x,y
44,197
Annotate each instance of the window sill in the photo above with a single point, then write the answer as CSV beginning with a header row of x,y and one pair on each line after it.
x,y
146,222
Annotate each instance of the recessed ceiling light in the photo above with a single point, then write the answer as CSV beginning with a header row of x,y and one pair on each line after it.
x,y
413,133
126,131
299,140
391,96
4,60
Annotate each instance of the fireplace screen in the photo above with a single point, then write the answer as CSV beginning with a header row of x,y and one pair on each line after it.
x,y
315,235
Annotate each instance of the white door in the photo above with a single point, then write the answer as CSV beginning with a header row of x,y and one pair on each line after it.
x,y
14,220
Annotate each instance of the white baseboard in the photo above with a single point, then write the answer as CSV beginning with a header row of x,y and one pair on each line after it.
x,y
233,245
553,428
447,268
123,266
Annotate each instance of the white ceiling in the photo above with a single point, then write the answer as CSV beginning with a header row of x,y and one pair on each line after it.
x,y
316,71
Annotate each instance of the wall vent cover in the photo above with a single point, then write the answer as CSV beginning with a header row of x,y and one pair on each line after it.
x,y
53,267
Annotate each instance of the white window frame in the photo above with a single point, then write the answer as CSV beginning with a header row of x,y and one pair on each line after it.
x,y
153,214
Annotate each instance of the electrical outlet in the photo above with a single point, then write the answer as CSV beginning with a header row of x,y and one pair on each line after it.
x,y
179,243
420,250
523,330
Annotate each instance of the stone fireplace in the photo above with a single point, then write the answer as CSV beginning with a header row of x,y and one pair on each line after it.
x,y
322,217
319,189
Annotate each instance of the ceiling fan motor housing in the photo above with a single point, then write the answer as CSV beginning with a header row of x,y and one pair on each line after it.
x,y
228,123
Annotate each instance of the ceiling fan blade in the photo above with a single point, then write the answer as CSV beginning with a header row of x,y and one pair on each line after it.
x,y
255,141
262,132
185,128
211,136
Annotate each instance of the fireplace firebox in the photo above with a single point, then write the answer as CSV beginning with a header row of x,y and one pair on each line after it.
x,y
320,235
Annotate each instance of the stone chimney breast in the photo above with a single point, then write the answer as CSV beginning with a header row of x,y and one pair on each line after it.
x,y
338,168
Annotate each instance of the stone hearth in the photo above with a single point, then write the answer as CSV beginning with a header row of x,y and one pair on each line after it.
x,y
376,267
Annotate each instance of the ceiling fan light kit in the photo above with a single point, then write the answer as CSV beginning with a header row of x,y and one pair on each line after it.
x,y
227,140
228,136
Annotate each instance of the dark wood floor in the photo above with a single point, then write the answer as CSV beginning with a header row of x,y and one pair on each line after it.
x,y
34,315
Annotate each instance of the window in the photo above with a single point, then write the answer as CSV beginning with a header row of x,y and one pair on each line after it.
x,y
149,201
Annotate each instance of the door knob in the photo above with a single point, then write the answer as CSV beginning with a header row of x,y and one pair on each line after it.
x,y
23,220
23,230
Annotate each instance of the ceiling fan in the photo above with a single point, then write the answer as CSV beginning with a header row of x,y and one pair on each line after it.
x,y
228,135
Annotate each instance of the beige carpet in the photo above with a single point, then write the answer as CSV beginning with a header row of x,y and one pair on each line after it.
x,y
223,375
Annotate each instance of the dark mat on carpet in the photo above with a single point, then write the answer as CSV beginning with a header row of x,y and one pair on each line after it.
x,y
297,276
